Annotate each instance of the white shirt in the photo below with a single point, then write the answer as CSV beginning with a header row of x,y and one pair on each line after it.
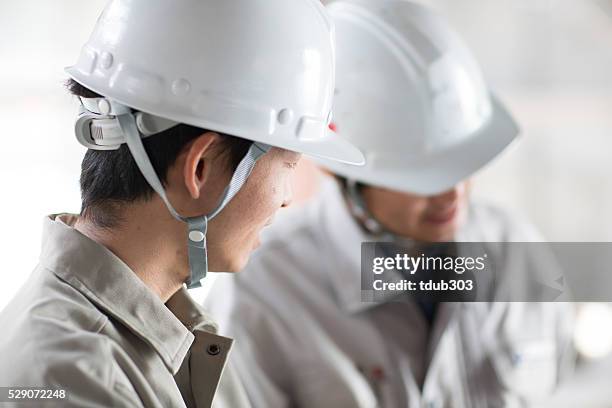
x,y
306,339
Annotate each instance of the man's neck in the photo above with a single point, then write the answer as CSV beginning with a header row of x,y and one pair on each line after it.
x,y
148,240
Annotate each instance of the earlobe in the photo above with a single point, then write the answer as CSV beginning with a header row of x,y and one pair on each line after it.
x,y
197,162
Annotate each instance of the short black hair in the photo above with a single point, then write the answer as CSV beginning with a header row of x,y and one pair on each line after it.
x,y
111,179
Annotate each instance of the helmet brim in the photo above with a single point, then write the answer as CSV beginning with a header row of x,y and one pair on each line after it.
x,y
331,147
327,146
434,173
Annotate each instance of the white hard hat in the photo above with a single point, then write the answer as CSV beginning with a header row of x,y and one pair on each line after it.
x,y
263,71
412,97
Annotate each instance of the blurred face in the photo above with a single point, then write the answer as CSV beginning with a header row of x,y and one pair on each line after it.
x,y
234,233
426,219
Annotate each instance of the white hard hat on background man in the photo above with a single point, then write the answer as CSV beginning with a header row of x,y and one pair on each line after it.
x,y
260,70
412,97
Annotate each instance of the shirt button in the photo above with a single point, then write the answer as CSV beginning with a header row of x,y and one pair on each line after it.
x,y
213,349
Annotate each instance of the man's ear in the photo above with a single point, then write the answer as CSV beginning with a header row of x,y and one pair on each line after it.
x,y
198,161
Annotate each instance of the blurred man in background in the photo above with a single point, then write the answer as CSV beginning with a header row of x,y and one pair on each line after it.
x,y
412,97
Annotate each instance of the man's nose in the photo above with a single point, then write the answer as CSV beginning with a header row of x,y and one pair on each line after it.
x,y
448,197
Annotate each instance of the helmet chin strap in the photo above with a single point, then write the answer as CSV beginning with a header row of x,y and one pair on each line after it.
x,y
196,226
359,210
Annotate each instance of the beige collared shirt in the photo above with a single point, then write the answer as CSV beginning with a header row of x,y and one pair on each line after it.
x,y
85,323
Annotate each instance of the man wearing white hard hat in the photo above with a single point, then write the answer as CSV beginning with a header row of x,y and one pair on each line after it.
x,y
195,114
411,96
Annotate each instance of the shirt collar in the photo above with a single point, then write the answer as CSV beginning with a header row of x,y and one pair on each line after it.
x,y
345,238
108,282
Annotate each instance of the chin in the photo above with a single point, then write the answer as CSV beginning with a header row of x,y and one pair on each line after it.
x,y
436,238
230,265
440,235
239,261
235,266
231,259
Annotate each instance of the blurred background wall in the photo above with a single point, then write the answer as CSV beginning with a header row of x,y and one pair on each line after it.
x,y
549,60
39,155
